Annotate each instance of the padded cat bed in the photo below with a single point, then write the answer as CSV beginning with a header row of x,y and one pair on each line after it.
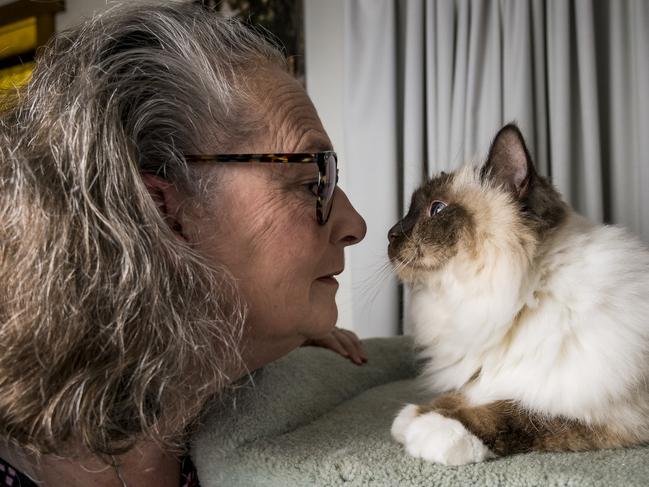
x,y
315,419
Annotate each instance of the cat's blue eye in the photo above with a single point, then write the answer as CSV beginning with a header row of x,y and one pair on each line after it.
x,y
436,207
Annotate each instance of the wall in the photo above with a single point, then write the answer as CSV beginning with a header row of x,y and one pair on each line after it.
x,y
76,10
323,42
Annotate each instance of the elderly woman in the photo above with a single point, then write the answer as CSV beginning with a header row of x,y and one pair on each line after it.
x,y
171,220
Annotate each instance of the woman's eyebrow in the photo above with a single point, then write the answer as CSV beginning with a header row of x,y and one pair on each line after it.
x,y
314,144
288,172
323,146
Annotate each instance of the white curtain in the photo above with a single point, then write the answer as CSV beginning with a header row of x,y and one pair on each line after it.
x,y
371,147
429,82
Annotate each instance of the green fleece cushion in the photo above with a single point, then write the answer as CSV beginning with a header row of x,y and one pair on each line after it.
x,y
315,419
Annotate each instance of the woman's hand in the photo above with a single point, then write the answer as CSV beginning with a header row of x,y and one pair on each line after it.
x,y
343,342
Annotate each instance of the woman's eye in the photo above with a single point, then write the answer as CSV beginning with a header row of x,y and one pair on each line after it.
x,y
436,207
312,187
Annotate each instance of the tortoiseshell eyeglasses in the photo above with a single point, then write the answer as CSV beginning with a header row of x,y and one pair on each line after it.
x,y
327,162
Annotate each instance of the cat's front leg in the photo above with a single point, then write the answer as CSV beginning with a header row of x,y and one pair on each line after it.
x,y
437,438
452,432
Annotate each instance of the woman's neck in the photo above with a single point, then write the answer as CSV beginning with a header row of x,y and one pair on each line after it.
x,y
260,351
146,464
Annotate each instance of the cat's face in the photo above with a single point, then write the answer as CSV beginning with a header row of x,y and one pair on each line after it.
x,y
438,226
504,206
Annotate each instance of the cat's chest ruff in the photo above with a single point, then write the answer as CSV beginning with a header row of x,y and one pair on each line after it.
x,y
466,319
455,333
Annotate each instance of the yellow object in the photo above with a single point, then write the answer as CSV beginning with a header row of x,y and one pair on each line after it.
x,y
15,76
18,37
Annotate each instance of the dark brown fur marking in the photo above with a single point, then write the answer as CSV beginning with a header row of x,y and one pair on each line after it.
x,y
506,428
543,209
419,235
540,203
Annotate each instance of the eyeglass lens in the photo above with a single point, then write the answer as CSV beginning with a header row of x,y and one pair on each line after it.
x,y
330,186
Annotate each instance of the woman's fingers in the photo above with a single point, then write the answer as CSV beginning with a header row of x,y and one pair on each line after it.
x,y
357,343
343,342
353,344
332,342
347,344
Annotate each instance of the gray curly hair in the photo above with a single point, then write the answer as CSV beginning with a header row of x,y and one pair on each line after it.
x,y
111,329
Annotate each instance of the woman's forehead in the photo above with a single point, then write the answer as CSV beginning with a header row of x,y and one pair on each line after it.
x,y
291,121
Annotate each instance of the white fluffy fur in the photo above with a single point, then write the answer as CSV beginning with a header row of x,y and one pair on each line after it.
x,y
438,439
562,326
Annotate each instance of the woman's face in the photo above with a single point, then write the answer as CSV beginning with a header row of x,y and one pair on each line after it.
x,y
261,224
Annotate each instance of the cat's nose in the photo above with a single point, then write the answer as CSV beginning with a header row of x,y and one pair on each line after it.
x,y
393,233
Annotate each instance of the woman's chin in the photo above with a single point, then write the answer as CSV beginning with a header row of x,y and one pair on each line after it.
x,y
323,323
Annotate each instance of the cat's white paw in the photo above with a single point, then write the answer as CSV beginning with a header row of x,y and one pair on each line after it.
x,y
439,439
402,421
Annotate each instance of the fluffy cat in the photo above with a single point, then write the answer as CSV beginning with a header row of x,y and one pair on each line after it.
x,y
534,321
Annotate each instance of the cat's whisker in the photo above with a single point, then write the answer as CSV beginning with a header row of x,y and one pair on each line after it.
x,y
408,237
373,285
371,279
403,264
376,274
381,276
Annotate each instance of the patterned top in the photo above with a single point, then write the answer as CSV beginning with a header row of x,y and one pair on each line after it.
x,y
11,477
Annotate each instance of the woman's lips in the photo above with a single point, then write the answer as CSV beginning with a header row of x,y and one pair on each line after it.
x,y
330,280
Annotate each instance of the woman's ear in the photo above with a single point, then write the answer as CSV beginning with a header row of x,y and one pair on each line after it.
x,y
168,200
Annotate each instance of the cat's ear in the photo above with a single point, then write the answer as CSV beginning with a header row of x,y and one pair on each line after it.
x,y
509,162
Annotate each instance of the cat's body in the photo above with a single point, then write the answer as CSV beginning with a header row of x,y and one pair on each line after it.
x,y
533,320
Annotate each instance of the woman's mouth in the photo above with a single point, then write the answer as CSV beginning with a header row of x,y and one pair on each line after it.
x,y
330,280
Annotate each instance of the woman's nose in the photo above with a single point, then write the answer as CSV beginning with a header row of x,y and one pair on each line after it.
x,y
348,226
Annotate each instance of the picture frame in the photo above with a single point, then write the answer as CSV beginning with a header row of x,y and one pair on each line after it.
x,y
25,26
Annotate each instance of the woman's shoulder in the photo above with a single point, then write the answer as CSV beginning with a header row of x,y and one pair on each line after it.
x,y
11,476
188,475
